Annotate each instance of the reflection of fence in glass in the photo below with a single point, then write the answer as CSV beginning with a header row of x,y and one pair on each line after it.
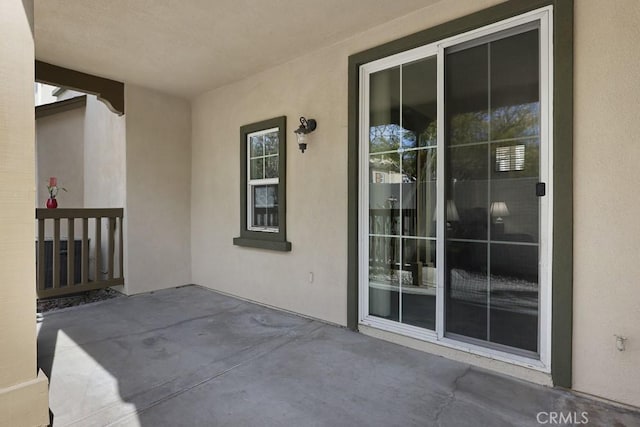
x,y
265,206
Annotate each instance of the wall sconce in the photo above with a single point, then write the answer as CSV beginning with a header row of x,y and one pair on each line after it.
x,y
306,127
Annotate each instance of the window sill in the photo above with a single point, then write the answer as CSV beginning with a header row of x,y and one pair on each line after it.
x,y
282,246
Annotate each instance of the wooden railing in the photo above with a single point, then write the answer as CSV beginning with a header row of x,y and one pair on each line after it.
x,y
101,276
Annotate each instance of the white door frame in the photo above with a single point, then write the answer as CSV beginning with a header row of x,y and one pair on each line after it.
x,y
544,16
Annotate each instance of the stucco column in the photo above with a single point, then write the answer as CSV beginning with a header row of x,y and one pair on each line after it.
x,y
23,391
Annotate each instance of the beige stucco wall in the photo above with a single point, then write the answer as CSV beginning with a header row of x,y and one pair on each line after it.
x,y
158,188
104,156
104,169
314,86
23,395
607,299
606,202
59,147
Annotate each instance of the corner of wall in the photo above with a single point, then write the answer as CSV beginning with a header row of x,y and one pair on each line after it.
x,y
158,190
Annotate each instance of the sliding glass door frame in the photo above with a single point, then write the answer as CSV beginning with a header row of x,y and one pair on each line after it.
x,y
437,49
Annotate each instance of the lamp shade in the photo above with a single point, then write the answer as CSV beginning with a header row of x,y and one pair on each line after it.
x,y
499,209
452,212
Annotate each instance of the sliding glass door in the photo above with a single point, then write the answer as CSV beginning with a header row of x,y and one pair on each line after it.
x,y
492,137
454,161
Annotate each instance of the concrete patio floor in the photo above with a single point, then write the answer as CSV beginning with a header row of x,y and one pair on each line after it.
x,y
192,357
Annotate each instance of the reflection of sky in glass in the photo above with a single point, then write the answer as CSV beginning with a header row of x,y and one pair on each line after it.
x,y
390,137
387,137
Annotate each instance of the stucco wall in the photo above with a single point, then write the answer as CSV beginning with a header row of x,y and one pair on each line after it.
x,y
158,180
314,86
104,169
104,156
23,395
60,147
607,211
607,299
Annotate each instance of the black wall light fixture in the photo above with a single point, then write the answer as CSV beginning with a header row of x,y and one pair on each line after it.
x,y
306,127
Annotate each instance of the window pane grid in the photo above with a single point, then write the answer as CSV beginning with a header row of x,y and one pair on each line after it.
x,y
263,180
402,180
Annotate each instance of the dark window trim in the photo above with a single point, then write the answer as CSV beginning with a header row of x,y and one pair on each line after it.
x,y
110,92
261,239
562,258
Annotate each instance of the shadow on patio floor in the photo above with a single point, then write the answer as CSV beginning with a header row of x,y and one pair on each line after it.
x,y
191,356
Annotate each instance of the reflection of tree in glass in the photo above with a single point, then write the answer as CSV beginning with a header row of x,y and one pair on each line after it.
x,y
468,127
271,167
384,138
429,136
507,122
420,165
271,143
257,168
256,146
468,162
515,121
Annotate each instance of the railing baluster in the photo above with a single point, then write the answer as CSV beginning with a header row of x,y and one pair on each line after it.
x,y
85,251
71,253
56,253
98,246
121,250
110,248
40,260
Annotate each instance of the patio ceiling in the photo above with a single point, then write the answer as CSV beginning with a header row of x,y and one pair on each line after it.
x,y
187,47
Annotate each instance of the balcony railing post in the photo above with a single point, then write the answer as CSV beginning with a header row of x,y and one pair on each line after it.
x,y
110,247
85,251
40,260
98,246
121,249
71,248
56,253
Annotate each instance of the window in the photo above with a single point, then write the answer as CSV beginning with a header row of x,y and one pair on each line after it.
x,y
263,180
510,158
262,185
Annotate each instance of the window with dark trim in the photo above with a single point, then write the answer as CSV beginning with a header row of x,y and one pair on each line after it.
x,y
263,185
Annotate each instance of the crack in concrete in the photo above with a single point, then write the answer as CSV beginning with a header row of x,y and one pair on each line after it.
x,y
451,397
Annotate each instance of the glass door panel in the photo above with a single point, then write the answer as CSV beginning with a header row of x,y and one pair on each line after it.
x,y
384,280
419,283
467,91
402,193
467,293
384,194
492,135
